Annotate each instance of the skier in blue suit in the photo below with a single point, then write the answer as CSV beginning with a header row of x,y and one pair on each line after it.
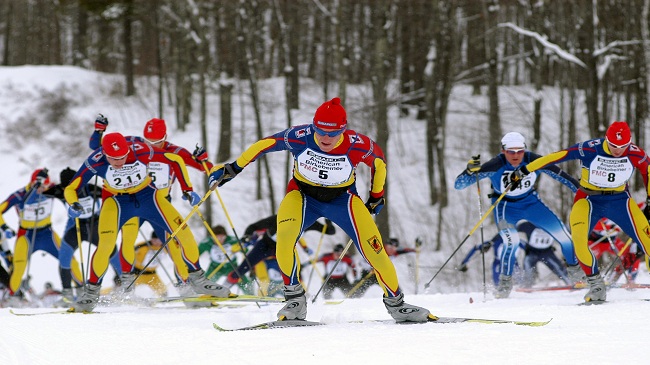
x,y
520,203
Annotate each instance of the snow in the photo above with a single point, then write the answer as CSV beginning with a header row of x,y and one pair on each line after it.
x,y
31,137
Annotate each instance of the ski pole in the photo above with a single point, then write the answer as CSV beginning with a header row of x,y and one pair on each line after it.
x,y
507,189
341,256
618,258
360,283
480,214
146,241
172,235
232,226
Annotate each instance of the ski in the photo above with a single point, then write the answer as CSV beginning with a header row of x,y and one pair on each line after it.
x,y
440,320
207,298
60,311
551,288
270,325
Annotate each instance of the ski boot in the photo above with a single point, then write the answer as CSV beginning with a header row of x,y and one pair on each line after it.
x,y
504,288
597,292
67,298
404,312
201,285
88,301
576,274
296,307
185,290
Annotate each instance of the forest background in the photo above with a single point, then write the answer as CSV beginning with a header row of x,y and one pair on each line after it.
x,y
558,71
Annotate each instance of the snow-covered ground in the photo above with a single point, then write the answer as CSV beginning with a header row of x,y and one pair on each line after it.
x,y
46,116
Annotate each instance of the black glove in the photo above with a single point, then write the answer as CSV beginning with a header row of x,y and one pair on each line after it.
x,y
418,242
485,247
375,205
462,268
473,165
515,177
101,123
222,174
200,154
9,257
75,210
646,210
7,231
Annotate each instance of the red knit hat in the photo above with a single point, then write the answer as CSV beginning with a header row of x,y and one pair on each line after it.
x,y
155,130
331,115
35,176
619,134
114,145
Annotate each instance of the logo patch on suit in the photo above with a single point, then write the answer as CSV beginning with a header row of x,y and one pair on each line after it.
x,y
375,243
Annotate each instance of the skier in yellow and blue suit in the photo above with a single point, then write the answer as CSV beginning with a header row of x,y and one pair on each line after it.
x,y
124,167
35,227
607,165
326,155
163,177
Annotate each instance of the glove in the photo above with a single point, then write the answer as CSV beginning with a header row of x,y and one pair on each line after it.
x,y
75,210
375,205
8,232
517,176
192,197
462,268
101,123
418,242
223,174
200,154
9,257
646,210
473,165
485,247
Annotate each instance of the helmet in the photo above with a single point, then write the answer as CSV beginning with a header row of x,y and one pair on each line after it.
x,y
155,130
114,145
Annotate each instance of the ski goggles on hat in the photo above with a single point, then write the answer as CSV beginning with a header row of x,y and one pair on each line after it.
x,y
329,134
618,146
515,151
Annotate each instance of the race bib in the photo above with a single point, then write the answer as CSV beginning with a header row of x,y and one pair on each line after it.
x,y
87,203
324,169
35,212
610,172
527,184
160,175
127,177
540,239
217,255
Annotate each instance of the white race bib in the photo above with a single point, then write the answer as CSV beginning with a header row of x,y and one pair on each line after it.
x,y
324,169
87,203
527,184
35,212
160,175
610,172
217,255
127,177
540,239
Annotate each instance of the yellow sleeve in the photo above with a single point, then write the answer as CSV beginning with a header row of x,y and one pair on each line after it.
x,y
379,177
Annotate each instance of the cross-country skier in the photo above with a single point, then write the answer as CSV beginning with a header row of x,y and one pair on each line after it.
x,y
607,165
326,155
520,202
